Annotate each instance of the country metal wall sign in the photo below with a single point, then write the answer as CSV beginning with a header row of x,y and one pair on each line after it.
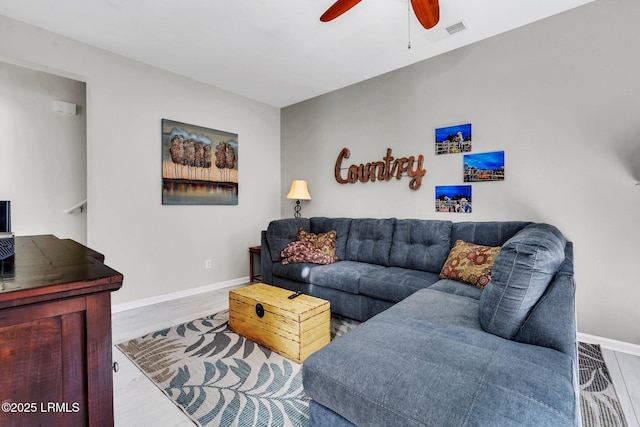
x,y
382,170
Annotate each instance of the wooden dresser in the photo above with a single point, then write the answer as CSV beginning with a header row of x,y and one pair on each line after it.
x,y
55,335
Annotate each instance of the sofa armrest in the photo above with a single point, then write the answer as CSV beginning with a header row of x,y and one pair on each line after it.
x,y
552,322
522,271
266,264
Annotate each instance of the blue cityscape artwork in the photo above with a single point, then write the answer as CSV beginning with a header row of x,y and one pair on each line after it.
x,y
484,167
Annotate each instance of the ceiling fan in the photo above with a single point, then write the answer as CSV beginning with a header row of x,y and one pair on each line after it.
x,y
427,11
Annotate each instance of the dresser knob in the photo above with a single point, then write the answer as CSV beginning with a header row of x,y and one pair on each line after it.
x,y
115,367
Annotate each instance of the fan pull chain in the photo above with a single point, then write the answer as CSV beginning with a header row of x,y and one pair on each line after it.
x,y
409,24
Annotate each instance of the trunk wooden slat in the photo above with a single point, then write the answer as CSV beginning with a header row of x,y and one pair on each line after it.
x,y
293,328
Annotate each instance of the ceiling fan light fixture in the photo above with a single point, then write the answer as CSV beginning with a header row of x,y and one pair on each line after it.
x,y
337,9
427,11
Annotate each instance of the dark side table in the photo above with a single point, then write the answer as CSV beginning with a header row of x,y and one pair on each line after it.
x,y
253,251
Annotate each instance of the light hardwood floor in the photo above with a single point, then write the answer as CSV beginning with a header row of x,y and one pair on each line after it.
x,y
138,401
625,374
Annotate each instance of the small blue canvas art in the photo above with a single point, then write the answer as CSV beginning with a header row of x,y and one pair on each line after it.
x,y
453,139
453,198
484,167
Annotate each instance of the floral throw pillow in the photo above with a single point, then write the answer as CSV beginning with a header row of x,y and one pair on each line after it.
x,y
470,263
326,242
301,251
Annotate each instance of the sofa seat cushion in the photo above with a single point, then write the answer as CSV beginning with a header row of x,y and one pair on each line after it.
x,y
427,362
296,271
394,283
521,273
342,275
457,288
420,245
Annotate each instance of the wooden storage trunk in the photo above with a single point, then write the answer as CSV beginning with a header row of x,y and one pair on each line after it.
x,y
293,328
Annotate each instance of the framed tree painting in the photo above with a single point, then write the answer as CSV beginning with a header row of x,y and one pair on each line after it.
x,y
199,165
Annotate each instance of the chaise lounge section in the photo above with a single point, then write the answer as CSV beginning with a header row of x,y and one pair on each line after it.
x,y
432,351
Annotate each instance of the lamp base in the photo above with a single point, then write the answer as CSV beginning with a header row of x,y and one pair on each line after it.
x,y
296,209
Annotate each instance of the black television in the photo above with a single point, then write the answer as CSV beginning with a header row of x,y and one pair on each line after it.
x,y
5,216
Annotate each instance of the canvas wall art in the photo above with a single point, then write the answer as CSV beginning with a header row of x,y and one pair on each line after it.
x,y
199,165
484,167
453,139
453,198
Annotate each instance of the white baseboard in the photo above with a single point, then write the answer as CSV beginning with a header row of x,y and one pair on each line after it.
x,y
117,308
621,346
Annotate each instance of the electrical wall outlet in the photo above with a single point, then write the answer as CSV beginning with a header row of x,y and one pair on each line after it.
x,y
207,264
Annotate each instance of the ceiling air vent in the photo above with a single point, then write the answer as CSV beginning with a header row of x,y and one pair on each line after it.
x,y
440,33
456,28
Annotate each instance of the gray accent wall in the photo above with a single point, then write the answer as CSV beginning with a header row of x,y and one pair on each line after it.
x,y
560,96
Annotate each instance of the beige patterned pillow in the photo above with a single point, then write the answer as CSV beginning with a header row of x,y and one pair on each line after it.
x,y
326,242
470,263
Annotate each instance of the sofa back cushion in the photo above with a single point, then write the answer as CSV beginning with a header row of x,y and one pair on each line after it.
x,y
281,232
340,225
370,240
490,233
521,273
420,244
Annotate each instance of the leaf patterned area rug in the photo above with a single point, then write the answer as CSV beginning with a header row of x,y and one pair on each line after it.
x,y
219,378
598,399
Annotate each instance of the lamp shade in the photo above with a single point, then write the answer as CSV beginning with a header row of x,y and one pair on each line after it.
x,y
299,190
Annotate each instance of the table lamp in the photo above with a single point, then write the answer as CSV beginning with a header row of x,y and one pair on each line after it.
x,y
299,192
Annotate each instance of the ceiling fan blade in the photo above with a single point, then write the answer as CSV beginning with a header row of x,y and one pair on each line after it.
x,y
427,12
337,9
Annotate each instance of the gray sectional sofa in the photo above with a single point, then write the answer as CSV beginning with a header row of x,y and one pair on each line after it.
x,y
431,351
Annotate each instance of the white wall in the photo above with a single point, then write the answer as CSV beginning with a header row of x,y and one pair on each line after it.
x,y
159,249
559,96
43,153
